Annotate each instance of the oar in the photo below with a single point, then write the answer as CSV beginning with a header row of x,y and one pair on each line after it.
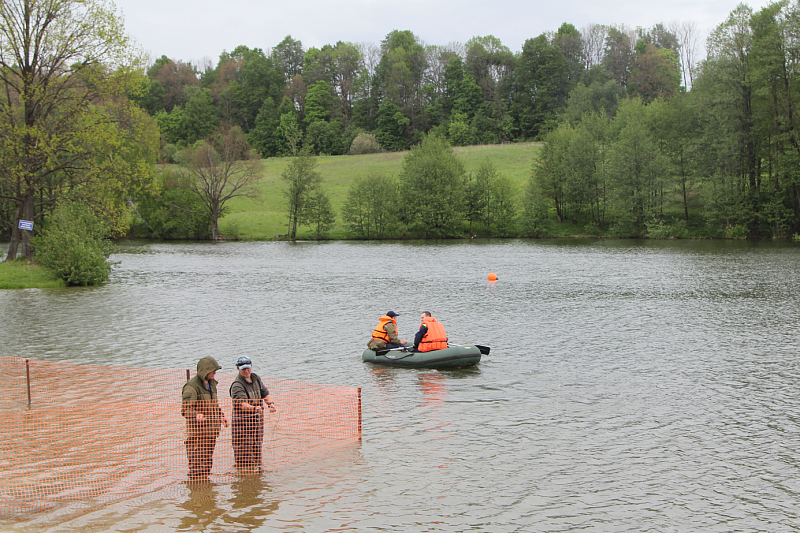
x,y
387,350
483,349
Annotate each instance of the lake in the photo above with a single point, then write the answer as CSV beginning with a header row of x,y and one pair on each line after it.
x,y
631,385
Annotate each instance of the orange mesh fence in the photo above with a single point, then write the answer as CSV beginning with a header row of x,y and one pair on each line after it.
x,y
105,432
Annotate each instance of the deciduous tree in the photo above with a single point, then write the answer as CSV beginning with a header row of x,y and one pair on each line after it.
x,y
65,68
217,169
432,179
302,181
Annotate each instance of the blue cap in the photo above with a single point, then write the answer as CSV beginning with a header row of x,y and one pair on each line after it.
x,y
243,362
392,314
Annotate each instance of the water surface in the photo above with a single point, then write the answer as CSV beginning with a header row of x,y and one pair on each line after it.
x,y
632,385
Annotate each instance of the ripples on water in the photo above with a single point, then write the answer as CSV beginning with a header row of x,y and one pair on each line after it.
x,y
632,386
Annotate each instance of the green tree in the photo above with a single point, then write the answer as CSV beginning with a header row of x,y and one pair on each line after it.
x,y
288,57
318,214
365,143
391,127
469,97
170,213
319,103
637,170
74,246
432,178
290,132
171,125
540,87
618,55
489,62
199,118
401,74
536,207
65,67
459,130
302,181
324,137
569,40
729,146
548,170
494,200
369,209
265,136
504,207
676,125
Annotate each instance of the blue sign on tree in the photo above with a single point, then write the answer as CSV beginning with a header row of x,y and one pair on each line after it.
x,y
26,224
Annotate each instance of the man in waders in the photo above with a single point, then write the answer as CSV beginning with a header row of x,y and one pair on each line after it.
x,y
203,418
249,395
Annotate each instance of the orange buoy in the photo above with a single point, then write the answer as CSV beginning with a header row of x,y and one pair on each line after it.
x,y
492,276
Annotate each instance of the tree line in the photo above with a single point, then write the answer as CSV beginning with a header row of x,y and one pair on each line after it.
x,y
641,136
389,95
720,160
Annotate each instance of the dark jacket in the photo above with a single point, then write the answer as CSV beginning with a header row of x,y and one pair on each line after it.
x,y
198,398
252,393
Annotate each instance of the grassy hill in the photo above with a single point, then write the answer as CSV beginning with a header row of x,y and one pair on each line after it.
x,y
263,218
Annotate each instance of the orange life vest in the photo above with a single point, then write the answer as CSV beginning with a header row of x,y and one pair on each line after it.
x,y
435,338
381,333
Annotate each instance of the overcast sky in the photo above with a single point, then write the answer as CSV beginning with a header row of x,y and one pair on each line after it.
x,y
191,30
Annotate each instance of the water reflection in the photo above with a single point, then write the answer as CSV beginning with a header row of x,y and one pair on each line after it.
x,y
245,504
201,507
432,385
251,502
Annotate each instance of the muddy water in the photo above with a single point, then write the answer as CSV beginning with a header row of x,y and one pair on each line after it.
x,y
631,386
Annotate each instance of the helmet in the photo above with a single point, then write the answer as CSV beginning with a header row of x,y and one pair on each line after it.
x,y
243,362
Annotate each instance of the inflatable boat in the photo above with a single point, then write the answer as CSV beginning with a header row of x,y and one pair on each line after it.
x,y
453,356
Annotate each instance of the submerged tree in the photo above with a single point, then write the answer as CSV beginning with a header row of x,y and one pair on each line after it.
x,y
74,246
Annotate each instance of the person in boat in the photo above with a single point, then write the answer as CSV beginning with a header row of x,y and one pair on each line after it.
x,y
431,335
249,396
203,418
385,334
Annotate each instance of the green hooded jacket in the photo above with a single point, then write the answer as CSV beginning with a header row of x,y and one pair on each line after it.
x,y
197,398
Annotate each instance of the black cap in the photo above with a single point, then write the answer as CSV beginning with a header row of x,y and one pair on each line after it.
x,y
392,314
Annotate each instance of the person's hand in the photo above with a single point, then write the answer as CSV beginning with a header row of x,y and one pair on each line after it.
x,y
224,421
403,342
258,409
271,406
200,418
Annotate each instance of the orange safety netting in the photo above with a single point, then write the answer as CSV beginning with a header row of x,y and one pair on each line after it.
x,y
93,431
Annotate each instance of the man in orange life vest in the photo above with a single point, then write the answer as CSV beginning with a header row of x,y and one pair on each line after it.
x,y
385,334
431,335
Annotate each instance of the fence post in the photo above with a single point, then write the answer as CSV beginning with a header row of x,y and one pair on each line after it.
x,y
28,379
359,413
187,374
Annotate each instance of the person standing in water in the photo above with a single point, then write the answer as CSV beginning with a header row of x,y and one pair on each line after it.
x,y
249,395
203,416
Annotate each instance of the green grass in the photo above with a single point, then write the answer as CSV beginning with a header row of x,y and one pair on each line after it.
x,y
263,218
20,274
